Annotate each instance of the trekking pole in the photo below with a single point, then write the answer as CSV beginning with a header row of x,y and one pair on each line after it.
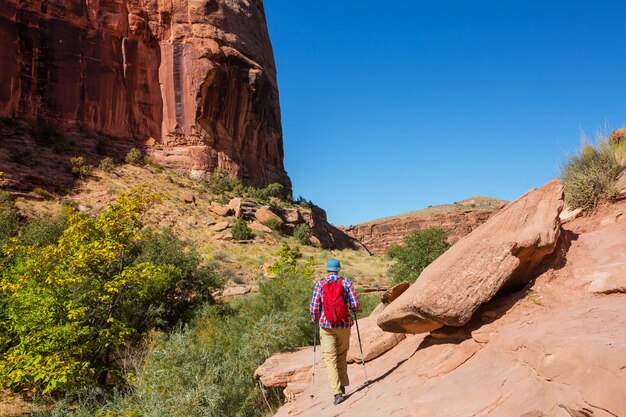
x,y
314,345
367,381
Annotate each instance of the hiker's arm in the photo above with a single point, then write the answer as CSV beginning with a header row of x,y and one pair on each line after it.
x,y
316,301
355,304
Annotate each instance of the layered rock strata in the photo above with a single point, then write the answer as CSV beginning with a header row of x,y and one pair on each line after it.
x,y
499,255
458,220
196,79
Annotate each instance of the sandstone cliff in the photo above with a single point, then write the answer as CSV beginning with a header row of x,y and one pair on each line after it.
x,y
196,79
457,219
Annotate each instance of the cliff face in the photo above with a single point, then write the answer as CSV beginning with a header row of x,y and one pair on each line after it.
x,y
196,79
458,220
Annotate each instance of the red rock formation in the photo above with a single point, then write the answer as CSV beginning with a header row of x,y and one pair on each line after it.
x,y
457,219
195,78
555,349
500,255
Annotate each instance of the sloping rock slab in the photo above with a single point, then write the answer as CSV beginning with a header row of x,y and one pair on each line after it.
x,y
292,367
499,255
375,341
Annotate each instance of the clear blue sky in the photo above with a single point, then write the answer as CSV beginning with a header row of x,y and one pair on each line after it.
x,y
389,107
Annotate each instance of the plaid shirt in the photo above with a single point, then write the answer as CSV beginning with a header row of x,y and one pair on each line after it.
x,y
317,310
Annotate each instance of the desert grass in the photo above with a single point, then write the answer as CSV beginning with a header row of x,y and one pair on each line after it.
x,y
590,175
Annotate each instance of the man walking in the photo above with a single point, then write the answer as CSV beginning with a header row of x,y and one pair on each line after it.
x,y
329,306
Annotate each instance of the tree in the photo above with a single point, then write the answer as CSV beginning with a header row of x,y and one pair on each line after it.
x,y
420,249
71,305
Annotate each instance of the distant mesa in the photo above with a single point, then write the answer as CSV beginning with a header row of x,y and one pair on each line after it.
x,y
457,219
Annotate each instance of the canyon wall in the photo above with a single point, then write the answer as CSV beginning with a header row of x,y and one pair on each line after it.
x,y
458,220
194,80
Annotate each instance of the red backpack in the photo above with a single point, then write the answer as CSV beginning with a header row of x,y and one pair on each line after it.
x,y
334,303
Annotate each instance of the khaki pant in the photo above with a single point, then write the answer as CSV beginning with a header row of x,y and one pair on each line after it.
x,y
335,344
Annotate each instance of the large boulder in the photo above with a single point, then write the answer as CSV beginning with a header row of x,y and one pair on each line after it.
x,y
374,340
292,367
265,216
235,205
498,256
220,210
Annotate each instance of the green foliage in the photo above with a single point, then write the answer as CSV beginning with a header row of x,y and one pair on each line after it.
x,y
189,282
274,224
275,190
419,250
71,305
134,157
206,369
368,304
589,177
9,218
79,168
303,202
107,165
222,183
302,234
152,165
43,231
241,231
288,262
47,134
43,193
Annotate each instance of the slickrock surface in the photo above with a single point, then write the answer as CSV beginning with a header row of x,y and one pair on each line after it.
x,y
554,349
196,78
293,367
458,220
499,255
374,340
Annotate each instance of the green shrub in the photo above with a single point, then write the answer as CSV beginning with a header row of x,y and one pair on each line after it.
x,y
303,202
134,157
70,306
206,369
275,190
302,234
79,168
43,231
420,248
589,177
9,218
191,283
220,182
274,224
368,303
241,231
153,165
43,193
107,165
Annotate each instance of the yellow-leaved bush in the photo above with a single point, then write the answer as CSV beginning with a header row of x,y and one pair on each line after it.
x,y
69,308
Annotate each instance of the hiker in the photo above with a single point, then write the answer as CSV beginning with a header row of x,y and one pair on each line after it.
x,y
329,306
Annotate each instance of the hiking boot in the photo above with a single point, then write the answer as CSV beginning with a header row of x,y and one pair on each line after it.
x,y
339,399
